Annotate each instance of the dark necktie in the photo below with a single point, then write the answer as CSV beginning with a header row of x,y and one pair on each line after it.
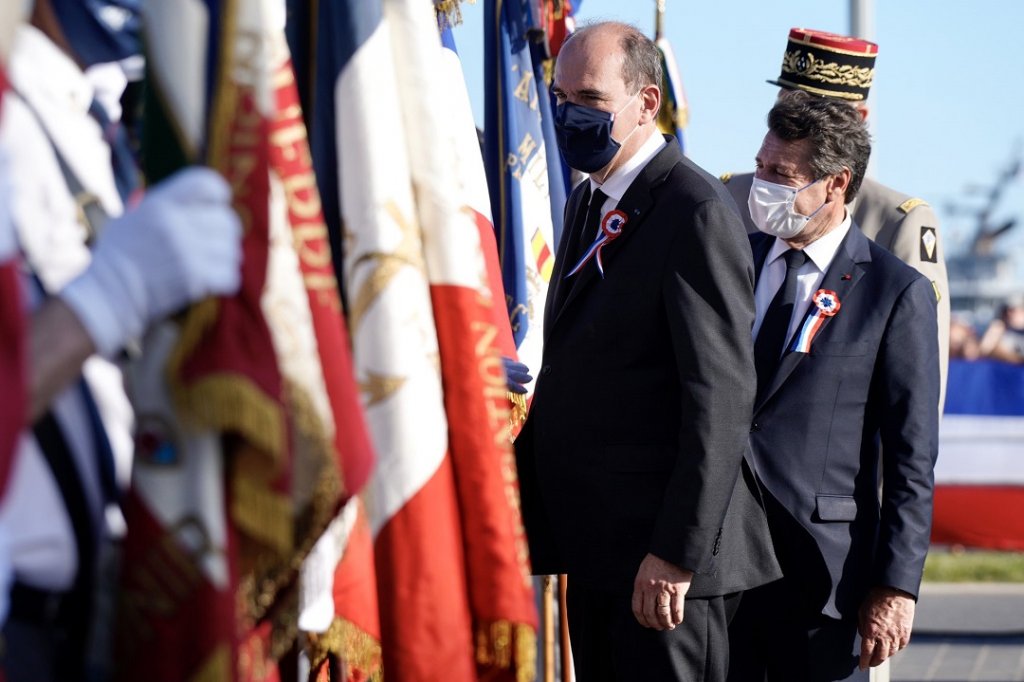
x,y
772,336
589,233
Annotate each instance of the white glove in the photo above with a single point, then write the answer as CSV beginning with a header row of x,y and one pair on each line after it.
x,y
182,243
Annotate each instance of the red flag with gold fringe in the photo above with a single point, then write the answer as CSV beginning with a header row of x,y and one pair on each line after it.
x,y
14,396
260,413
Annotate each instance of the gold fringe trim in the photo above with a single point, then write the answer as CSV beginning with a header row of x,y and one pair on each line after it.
x,y
262,514
215,668
270,573
549,71
324,499
449,12
503,644
221,402
226,402
351,644
285,630
517,415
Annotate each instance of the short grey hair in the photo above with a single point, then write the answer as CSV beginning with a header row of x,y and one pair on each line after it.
x,y
838,136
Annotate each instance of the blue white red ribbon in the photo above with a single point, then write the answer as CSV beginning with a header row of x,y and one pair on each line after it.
x,y
611,227
826,305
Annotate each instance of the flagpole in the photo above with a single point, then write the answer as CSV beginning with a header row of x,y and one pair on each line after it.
x,y
548,600
567,668
659,19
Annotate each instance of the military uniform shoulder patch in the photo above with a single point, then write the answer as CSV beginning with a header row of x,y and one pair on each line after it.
x,y
929,245
725,177
910,204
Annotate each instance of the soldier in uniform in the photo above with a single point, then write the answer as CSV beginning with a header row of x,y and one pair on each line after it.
x,y
94,277
838,67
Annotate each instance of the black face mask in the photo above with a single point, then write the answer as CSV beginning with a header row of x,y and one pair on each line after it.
x,y
584,136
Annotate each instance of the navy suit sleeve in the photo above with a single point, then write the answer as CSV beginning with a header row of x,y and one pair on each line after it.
x,y
907,392
709,301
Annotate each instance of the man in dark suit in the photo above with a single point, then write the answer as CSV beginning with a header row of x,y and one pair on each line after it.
x,y
847,361
842,68
632,450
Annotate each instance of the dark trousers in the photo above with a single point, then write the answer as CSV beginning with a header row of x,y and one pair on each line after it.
x,y
36,653
609,645
44,635
772,639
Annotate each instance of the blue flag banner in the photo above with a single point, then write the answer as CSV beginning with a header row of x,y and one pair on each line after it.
x,y
517,160
559,175
675,111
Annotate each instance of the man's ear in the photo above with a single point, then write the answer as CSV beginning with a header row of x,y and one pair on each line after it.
x,y
650,96
839,184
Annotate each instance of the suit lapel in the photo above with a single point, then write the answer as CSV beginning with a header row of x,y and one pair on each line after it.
x,y
842,277
636,203
558,288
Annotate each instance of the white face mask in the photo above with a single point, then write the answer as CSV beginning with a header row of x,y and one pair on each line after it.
x,y
771,209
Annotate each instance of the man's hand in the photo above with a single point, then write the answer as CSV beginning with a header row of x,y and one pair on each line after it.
x,y
886,617
658,592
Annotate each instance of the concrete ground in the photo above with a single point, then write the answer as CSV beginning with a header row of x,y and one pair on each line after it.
x,y
965,632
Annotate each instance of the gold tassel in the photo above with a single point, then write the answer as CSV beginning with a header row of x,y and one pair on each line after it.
x,y
506,645
226,402
517,415
351,644
449,12
262,514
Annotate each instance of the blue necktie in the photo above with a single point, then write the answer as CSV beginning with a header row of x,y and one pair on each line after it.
x,y
126,174
773,334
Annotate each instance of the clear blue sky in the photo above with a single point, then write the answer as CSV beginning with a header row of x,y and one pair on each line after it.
x,y
947,104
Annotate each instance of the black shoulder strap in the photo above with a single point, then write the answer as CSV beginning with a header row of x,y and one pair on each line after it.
x,y
90,211
58,456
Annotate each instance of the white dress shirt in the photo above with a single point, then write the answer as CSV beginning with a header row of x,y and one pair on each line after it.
x,y
616,184
32,514
819,253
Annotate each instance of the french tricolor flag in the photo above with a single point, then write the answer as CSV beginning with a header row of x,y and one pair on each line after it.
x,y
979,477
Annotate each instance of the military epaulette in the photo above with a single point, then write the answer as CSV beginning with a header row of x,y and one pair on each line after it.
x,y
910,204
725,178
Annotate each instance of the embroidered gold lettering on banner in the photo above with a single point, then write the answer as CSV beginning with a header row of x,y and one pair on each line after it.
x,y
827,72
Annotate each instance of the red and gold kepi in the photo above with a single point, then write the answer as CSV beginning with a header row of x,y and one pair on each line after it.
x,y
828,65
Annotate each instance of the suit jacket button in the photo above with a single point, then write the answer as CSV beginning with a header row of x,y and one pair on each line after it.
x,y
545,370
755,427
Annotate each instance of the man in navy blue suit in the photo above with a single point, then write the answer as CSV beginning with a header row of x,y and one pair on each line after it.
x,y
845,427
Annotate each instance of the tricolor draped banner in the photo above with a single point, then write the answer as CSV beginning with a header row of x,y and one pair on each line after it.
x,y
451,565
979,476
259,435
